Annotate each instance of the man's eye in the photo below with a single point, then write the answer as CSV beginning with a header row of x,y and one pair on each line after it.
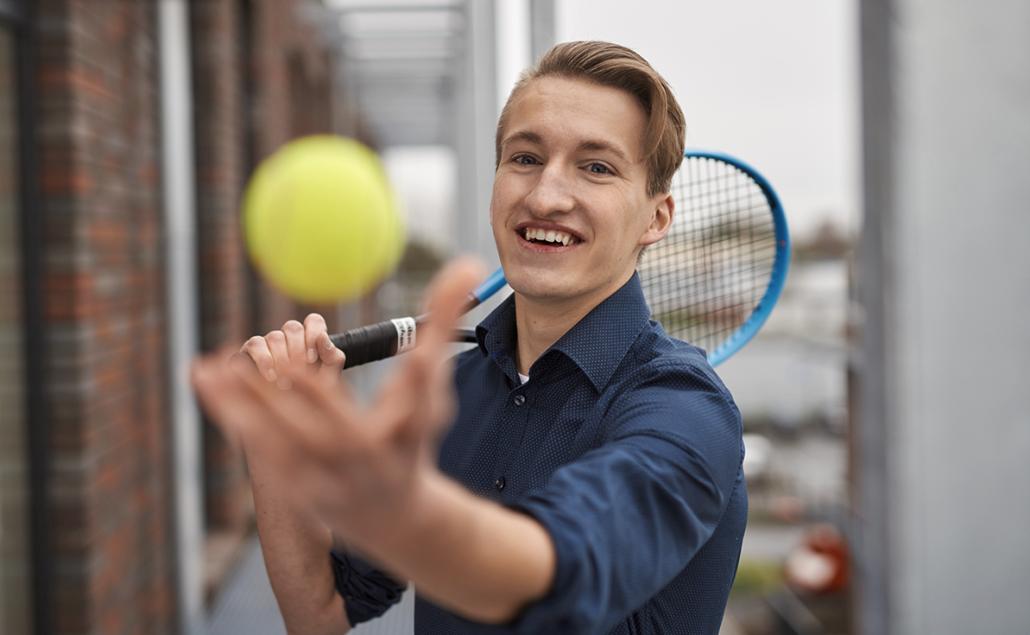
x,y
524,159
599,168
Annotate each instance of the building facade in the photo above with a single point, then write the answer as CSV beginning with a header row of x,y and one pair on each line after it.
x,y
90,470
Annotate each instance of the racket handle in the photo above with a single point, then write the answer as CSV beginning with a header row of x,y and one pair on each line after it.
x,y
376,341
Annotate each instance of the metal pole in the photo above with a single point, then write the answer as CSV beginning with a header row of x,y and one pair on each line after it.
x,y
180,231
870,523
542,31
477,117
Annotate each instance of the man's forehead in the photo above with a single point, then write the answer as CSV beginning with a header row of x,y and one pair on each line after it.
x,y
579,112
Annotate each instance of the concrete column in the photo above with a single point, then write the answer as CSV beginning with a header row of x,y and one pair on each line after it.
x,y
943,500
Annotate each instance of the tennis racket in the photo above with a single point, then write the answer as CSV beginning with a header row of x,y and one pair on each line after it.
x,y
712,281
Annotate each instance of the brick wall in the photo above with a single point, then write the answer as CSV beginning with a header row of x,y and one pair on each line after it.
x,y
260,79
219,124
290,75
103,296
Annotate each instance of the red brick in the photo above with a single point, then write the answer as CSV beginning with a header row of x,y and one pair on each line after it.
x,y
103,282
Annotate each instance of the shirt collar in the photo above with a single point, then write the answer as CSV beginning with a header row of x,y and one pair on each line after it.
x,y
596,344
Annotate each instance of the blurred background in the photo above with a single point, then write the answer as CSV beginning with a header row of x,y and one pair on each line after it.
x,y
886,404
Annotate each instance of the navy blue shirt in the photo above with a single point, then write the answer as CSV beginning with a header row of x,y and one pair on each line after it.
x,y
626,446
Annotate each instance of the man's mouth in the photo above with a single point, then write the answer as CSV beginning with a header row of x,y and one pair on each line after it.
x,y
548,237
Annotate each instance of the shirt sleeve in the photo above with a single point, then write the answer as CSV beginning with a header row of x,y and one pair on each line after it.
x,y
628,516
367,592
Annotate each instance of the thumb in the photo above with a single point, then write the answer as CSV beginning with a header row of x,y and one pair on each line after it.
x,y
417,397
446,298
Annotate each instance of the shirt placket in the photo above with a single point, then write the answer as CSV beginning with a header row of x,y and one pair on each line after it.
x,y
515,416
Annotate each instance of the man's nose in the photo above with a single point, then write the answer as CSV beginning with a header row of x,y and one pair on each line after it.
x,y
552,193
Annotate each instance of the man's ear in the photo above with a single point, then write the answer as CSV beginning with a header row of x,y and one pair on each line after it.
x,y
663,208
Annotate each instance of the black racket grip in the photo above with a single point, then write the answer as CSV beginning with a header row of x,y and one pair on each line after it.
x,y
367,343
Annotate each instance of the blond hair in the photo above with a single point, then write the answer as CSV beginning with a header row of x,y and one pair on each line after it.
x,y
616,66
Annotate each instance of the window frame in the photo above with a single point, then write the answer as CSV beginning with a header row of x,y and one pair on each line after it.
x,y
16,17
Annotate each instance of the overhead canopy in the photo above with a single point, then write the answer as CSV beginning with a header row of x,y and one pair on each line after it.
x,y
401,66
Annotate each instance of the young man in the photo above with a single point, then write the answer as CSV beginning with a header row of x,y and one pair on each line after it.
x,y
587,477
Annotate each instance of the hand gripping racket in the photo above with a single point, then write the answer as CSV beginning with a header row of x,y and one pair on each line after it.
x,y
712,281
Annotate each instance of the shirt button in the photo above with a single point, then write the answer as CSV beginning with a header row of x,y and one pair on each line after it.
x,y
499,483
519,400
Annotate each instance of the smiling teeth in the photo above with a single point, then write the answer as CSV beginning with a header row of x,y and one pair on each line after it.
x,y
548,235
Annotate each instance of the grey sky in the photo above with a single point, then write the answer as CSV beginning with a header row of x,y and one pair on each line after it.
x,y
774,83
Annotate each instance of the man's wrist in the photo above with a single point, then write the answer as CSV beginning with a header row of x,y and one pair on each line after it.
x,y
425,512
385,531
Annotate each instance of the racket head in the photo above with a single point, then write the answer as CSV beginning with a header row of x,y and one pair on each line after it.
x,y
716,276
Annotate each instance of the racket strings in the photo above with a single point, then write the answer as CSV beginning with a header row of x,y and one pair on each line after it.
x,y
709,273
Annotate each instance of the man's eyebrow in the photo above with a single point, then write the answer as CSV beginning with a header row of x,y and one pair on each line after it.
x,y
589,145
595,145
523,135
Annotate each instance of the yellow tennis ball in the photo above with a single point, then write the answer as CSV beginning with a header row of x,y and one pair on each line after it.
x,y
320,221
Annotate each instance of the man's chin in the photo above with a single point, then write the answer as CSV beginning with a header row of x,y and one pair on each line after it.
x,y
543,288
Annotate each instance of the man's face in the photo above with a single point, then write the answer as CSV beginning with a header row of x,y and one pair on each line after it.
x,y
570,208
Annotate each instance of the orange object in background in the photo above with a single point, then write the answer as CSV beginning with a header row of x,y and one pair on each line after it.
x,y
820,563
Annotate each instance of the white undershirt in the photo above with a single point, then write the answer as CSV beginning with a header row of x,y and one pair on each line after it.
x,y
523,378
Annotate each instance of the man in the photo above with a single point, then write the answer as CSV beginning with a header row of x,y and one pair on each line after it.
x,y
589,480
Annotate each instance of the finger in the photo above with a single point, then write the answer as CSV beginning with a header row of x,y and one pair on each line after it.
x,y
332,358
439,397
241,363
217,389
339,405
446,298
296,348
417,393
225,392
320,433
398,400
276,341
420,400
314,328
257,349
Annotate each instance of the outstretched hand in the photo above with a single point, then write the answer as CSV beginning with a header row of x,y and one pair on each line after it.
x,y
361,468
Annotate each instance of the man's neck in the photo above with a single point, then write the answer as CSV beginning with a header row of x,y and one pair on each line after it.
x,y
539,323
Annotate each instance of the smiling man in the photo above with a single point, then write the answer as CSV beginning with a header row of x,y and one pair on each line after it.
x,y
587,476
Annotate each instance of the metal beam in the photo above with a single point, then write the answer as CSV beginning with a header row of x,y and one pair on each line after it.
x,y
183,340
393,8
541,28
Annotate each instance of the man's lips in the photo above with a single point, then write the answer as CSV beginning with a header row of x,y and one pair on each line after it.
x,y
544,247
546,237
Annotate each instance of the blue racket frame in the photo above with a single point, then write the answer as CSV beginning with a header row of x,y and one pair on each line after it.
x,y
739,338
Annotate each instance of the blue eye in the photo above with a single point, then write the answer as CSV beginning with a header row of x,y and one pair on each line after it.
x,y
524,159
599,168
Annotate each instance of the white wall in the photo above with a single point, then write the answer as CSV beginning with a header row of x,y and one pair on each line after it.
x,y
945,437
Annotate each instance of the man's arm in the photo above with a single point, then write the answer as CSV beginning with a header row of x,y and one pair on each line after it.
x,y
474,556
369,471
295,544
296,547
471,555
629,515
